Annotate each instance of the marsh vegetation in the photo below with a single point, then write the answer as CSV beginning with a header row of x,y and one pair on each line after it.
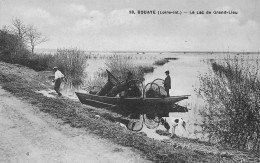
x,y
232,115
161,62
72,62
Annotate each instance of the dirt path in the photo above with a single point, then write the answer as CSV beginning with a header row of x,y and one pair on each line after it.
x,y
28,135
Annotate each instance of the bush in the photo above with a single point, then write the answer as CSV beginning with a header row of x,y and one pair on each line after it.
x,y
40,62
72,62
11,52
232,115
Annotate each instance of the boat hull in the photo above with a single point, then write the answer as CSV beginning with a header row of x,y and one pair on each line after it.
x,y
135,105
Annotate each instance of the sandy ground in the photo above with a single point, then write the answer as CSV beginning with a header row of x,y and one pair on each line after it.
x,y
28,135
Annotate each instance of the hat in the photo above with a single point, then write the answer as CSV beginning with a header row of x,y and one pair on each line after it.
x,y
55,67
167,72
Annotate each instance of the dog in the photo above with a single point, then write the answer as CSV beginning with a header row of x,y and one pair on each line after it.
x,y
170,123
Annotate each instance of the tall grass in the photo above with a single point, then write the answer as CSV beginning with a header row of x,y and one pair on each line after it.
x,y
161,62
231,90
147,68
71,62
120,66
95,82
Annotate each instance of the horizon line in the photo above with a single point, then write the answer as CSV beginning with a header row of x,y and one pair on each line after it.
x,y
154,51
144,51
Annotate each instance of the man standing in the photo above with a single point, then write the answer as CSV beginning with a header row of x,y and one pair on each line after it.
x,y
167,82
57,79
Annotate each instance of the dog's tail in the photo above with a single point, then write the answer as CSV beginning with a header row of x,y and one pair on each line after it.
x,y
184,125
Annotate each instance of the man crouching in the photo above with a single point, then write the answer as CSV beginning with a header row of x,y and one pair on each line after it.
x,y
57,79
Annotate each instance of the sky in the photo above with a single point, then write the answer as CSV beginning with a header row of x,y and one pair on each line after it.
x,y
107,25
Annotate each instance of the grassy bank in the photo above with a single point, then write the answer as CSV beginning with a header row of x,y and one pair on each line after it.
x,y
76,115
71,62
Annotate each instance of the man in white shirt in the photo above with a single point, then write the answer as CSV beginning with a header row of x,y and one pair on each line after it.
x,y
58,79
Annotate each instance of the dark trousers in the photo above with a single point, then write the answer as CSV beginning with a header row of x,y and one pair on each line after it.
x,y
167,91
57,86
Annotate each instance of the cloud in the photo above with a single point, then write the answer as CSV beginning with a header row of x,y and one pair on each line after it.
x,y
110,26
36,13
122,17
198,20
76,9
97,20
236,19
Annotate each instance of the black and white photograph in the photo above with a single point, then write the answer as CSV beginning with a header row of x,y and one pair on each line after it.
x,y
133,81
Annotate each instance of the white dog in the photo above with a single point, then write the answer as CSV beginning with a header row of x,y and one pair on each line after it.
x,y
170,123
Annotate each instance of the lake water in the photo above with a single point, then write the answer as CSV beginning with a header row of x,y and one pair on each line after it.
x,y
184,74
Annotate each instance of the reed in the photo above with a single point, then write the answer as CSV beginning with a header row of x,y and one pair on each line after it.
x,y
172,58
95,82
147,69
160,62
71,62
231,91
121,65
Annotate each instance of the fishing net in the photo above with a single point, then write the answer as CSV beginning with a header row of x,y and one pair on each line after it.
x,y
112,78
151,121
135,125
134,88
155,89
111,82
105,89
160,89
151,90
116,89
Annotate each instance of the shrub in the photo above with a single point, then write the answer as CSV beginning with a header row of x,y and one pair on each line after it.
x,y
72,62
7,45
40,62
9,49
11,52
232,115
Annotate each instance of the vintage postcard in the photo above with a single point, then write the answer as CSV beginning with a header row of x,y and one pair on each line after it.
x,y
129,81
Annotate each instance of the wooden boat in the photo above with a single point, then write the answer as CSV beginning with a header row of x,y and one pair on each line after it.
x,y
135,104
127,105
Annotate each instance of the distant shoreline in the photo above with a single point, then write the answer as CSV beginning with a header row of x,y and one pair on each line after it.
x,y
143,52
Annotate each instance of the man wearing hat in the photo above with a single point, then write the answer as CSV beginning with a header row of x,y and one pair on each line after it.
x,y
167,82
57,79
